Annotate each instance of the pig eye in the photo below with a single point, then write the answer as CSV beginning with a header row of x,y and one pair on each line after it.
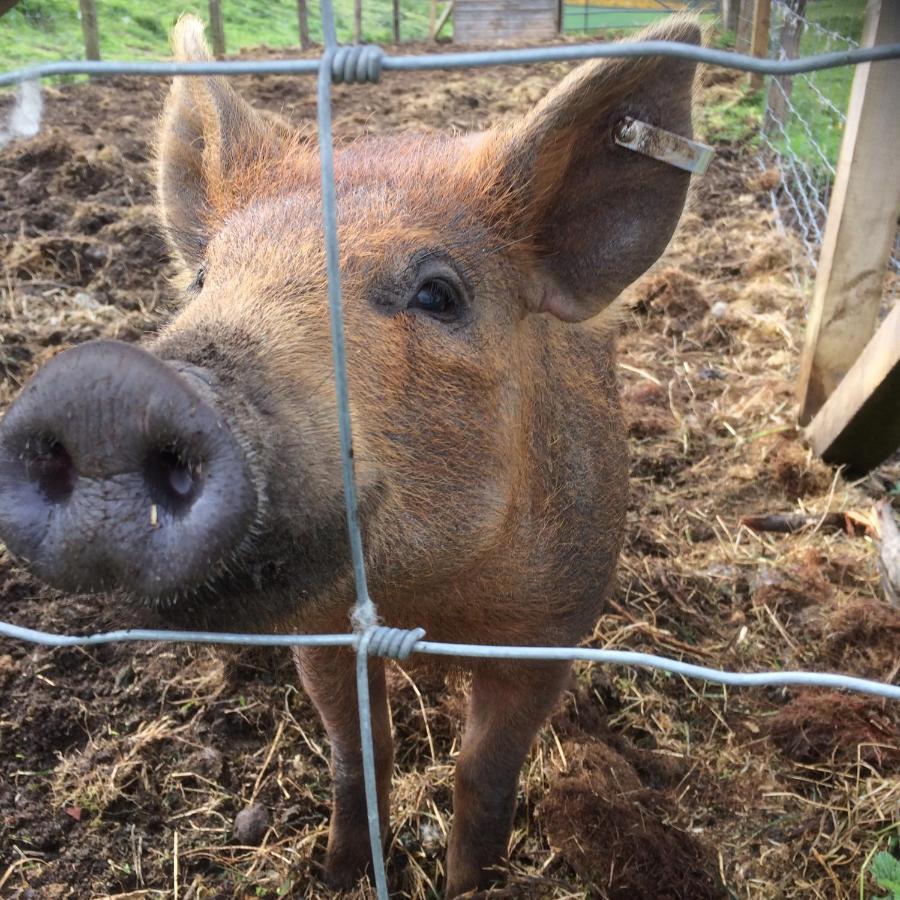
x,y
438,298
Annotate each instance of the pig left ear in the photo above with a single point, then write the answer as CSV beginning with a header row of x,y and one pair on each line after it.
x,y
211,145
597,213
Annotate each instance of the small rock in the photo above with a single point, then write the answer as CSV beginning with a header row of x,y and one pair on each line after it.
x,y
206,762
86,300
250,825
719,309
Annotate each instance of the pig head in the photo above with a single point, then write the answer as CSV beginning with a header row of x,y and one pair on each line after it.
x,y
198,473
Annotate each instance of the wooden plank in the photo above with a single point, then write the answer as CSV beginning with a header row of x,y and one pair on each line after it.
x,y
90,29
859,425
216,28
759,40
442,20
357,21
480,20
862,221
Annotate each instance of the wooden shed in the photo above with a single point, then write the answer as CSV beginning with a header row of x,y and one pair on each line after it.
x,y
476,21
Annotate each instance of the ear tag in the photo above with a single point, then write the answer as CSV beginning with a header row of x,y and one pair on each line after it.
x,y
667,147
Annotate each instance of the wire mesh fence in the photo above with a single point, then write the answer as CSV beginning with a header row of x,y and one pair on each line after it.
x,y
591,16
368,637
804,119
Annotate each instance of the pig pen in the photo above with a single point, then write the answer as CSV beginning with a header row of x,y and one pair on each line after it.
x,y
123,767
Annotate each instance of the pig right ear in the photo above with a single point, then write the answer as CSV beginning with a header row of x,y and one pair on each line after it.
x,y
594,214
210,142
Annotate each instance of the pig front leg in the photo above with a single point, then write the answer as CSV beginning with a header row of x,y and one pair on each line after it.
x,y
509,703
329,678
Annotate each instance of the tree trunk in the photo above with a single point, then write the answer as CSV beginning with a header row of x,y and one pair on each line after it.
x,y
303,21
90,29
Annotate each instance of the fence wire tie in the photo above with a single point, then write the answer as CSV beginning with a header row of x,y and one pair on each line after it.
x,y
391,643
356,64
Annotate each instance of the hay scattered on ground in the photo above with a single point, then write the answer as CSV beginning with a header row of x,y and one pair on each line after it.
x,y
124,767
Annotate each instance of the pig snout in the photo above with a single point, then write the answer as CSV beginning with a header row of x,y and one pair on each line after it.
x,y
118,471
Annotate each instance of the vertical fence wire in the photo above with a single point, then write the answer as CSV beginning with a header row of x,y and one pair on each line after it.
x,y
364,613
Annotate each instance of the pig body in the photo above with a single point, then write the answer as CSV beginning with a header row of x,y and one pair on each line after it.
x,y
201,475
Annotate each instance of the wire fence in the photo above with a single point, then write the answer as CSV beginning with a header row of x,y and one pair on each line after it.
x,y
804,120
369,638
50,28
587,16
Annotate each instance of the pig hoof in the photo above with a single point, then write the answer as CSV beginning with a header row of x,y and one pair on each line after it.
x,y
344,870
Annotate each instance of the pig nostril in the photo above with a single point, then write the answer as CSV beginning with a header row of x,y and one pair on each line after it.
x,y
173,481
50,467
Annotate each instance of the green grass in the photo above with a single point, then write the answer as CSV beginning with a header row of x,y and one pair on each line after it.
x,y
734,121
590,18
44,30
844,17
579,18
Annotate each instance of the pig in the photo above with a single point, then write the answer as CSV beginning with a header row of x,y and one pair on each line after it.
x,y
197,474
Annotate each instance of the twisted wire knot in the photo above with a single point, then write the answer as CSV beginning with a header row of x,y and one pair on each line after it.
x,y
393,643
356,64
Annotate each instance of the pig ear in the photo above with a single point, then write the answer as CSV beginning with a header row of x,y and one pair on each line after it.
x,y
599,214
209,140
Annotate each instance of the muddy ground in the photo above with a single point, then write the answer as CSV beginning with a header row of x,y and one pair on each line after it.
x,y
123,767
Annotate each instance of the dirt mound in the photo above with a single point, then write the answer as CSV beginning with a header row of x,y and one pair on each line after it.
x,y
617,834
828,727
797,473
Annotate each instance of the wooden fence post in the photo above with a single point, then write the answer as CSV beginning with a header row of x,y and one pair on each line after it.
x,y
357,21
303,22
730,10
759,42
744,27
432,18
859,425
862,221
395,20
216,28
443,18
781,85
90,29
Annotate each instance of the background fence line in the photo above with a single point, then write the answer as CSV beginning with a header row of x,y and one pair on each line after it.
x,y
788,133
365,64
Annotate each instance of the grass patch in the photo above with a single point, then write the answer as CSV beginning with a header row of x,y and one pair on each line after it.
x,y
814,128
44,30
733,121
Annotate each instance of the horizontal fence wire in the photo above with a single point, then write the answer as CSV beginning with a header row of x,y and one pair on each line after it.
x,y
365,63
469,60
469,651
